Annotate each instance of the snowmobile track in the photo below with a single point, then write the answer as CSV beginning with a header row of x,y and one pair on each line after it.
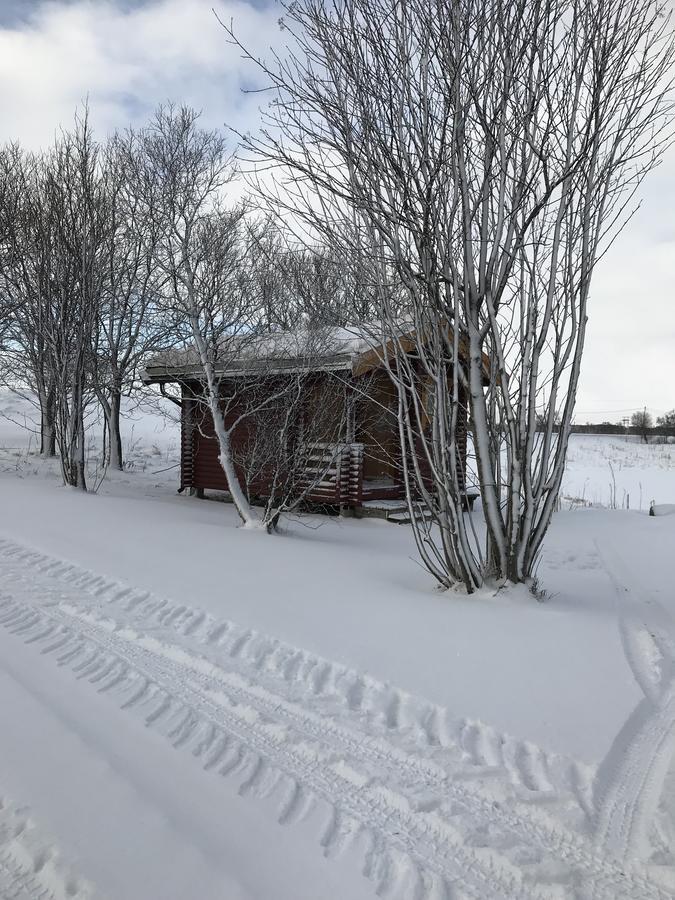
x,y
446,809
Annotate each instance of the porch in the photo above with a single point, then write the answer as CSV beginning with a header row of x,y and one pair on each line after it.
x,y
343,483
340,468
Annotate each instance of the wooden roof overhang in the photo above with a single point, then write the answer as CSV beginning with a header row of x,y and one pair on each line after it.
x,y
166,374
183,366
376,356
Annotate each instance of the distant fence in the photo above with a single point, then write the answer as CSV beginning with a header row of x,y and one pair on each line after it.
x,y
657,431
610,428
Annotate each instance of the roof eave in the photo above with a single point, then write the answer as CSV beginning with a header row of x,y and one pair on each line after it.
x,y
168,374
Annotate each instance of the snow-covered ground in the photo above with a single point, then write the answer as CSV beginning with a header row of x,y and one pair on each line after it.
x,y
173,687
618,471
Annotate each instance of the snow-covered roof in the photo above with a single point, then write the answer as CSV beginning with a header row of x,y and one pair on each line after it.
x,y
356,349
306,349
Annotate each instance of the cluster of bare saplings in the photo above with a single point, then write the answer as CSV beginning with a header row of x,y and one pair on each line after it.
x,y
466,163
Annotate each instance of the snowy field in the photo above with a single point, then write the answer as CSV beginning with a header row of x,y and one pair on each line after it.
x,y
196,712
618,472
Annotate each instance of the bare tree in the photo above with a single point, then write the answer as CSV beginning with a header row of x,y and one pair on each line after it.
x,y
642,423
9,203
76,223
25,288
130,322
53,279
302,284
182,173
482,156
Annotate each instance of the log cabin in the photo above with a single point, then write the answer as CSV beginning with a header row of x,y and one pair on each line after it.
x,y
346,428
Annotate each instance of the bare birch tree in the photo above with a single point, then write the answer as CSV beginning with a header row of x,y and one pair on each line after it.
x,y
200,249
485,154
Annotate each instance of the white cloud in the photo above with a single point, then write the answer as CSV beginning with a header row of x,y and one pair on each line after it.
x,y
126,61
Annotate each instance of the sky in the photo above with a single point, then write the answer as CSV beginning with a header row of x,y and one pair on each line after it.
x,y
126,56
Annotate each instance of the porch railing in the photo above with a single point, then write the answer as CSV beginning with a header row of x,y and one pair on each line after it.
x,y
334,473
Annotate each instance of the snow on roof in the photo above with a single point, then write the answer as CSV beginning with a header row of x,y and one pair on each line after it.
x,y
326,347
304,342
355,348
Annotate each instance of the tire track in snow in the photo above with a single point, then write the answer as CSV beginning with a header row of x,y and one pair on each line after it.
x,y
630,781
431,827
232,731
30,867
331,686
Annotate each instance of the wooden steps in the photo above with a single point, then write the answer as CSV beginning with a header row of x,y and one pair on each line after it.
x,y
394,511
397,512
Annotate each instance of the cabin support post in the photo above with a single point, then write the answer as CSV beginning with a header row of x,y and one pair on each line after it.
x,y
350,414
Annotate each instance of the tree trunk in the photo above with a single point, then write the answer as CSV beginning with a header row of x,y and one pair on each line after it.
x,y
47,424
112,447
246,512
81,468
114,434
244,508
73,460
47,437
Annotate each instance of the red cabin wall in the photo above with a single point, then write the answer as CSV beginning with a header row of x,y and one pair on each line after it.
x,y
201,469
